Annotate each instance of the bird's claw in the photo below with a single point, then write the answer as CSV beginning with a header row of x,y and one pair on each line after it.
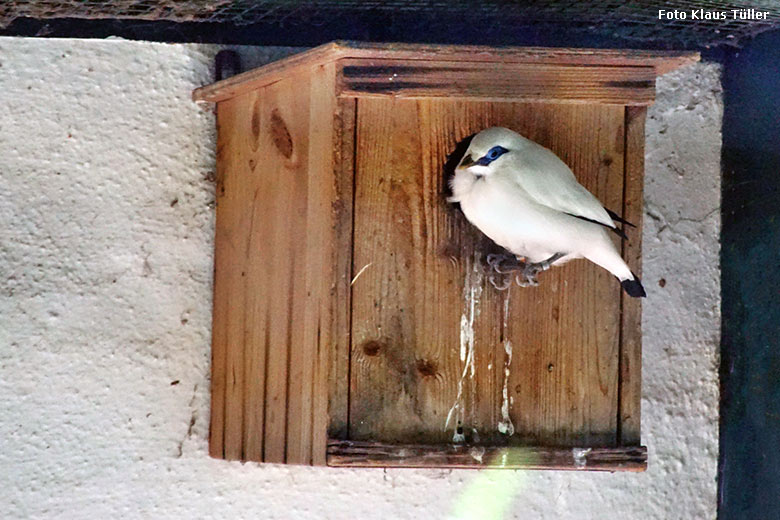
x,y
503,263
526,280
506,283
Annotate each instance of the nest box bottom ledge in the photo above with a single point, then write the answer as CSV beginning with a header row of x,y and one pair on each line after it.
x,y
367,454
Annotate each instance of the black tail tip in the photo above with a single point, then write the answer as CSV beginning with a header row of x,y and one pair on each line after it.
x,y
633,287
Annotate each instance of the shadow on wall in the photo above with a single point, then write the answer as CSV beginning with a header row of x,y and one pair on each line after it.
x,y
749,466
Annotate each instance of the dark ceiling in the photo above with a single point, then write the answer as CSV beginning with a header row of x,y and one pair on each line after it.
x,y
633,23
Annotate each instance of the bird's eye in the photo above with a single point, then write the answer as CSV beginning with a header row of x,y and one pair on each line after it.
x,y
496,152
493,154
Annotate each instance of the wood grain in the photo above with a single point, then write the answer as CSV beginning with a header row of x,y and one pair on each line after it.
x,y
406,366
280,258
383,387
660,61
273,277
253,186
414,254
630,390
336,344
484,81
327,268
372,455
289,379
227,262
565,333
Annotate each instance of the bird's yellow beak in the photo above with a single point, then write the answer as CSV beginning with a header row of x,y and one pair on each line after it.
x,y
466,162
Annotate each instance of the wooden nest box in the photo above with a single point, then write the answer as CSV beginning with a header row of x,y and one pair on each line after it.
x,y
353,321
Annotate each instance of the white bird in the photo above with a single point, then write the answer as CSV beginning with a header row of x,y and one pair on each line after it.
x,y
524,198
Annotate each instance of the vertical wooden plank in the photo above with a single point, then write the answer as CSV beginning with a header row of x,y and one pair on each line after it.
x,y
418,293
308,423
335,327
564,333
229,290
630,395
283,157
257,187
383,383
227,216
289,439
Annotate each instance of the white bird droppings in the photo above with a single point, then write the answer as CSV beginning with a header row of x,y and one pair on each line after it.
x,y
477,452
505,426
472,291
458,437
580,456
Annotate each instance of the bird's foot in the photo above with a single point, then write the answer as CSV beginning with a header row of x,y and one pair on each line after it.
x,y
505,263
529,272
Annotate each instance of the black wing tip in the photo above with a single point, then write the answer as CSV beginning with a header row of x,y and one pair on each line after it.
x,y
634,287
619,232
615,216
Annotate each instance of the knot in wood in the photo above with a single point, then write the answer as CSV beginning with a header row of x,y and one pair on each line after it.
x,y
426,368
281,135
372,347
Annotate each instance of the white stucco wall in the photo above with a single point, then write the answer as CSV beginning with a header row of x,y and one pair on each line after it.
x,y
106,224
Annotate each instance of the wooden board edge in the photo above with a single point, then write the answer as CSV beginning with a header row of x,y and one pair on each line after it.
x,y
382,455
321,242
267,74
602,84
364,48
661,61
630,363
646,102
664,65
228,345
297,107
340,326
218,341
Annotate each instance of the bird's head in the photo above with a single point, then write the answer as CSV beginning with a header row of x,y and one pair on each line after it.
x,y
489,149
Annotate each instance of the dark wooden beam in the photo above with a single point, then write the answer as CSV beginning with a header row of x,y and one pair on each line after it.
x,y
380,455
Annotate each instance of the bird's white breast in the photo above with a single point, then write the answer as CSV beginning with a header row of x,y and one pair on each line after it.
x,y
508,216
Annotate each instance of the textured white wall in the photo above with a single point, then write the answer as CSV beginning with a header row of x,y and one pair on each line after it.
x,y
106,224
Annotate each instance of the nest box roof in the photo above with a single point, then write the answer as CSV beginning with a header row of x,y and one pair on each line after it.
x,y
660,61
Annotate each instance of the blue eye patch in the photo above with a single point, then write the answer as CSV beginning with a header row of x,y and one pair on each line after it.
x,y
493,154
